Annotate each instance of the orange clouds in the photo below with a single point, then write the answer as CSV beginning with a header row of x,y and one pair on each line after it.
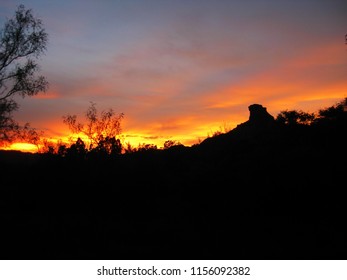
x,y
188,107
47,95
24,147
182,71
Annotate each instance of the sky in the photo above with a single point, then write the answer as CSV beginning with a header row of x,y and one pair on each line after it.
x,y
183,69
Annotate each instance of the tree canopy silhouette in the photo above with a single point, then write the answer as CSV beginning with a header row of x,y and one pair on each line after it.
x,y
101,130
22,40
294,117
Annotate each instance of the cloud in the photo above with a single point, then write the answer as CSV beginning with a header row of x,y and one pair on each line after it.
x,y
183,68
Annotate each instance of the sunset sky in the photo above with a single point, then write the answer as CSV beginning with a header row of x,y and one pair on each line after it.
x,y
183,69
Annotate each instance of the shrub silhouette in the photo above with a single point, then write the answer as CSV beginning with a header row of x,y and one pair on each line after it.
x,y
77,150
293,117
101,131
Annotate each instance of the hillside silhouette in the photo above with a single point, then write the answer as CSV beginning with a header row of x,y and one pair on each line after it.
x,y
268,189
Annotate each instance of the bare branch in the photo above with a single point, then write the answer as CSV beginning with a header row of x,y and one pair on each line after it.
x,y
22,39
101,130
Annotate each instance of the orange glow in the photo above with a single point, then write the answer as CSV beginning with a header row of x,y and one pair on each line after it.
x,y
165,109
190,130
47,95
310,81
24,147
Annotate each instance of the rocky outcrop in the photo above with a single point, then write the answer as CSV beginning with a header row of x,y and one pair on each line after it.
x,y
259,119
259,115
259,122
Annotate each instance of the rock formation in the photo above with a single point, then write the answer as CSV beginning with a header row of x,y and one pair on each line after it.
x,y
260,121
259,115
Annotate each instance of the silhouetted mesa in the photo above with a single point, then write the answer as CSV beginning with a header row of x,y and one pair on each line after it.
x,y
259,122
259,115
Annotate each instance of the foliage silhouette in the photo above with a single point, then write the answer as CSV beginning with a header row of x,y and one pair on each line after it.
x,y
77,149
22,40
171,143
294,117
101,130
336,112
108,146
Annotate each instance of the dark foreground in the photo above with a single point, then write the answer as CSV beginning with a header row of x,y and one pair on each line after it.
x,y
255,193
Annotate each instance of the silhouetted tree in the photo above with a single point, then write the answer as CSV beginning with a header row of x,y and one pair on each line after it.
x,y
146,147
47,147
170,143
333,115
30,135
62,150
334,112
22,39
108,145
77,150
294,117
8,127
102,131
128,148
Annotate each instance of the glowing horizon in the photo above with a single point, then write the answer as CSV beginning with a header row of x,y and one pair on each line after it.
x,y
182,70
136,138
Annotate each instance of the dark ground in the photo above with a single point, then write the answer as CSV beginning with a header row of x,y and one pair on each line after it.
x,y
268,192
